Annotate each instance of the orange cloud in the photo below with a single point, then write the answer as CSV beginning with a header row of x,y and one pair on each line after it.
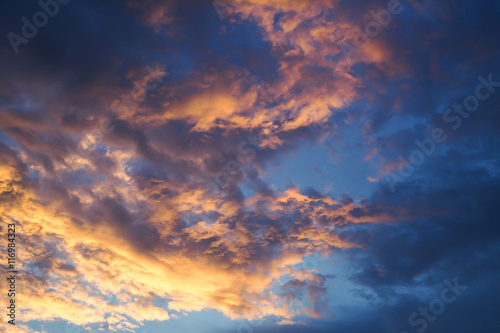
x,y
84,256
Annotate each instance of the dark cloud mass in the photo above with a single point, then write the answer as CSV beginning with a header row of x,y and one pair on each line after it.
x,y
251,166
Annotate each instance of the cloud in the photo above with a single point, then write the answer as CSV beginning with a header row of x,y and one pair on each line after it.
x,y
141,241
123,227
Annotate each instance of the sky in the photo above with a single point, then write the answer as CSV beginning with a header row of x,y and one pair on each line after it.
x,y
250,166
